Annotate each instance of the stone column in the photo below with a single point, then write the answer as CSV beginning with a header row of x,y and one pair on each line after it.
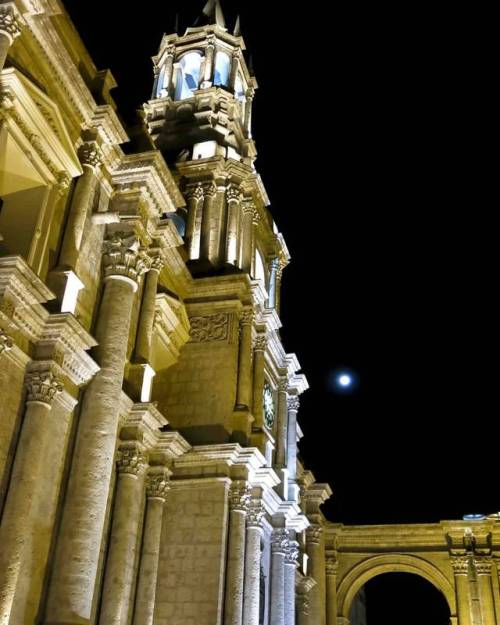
x,y
81,204
233,196
235,64
315,552
194,196
28,475
248,110
331,589
303,605
279,546
127,516
260,347
148,308
156,491
208,66
72,588
247,236
255,223
281,429
273,270
291,556
168,70
209,192
293,408
244,388
461,572
239,497
279,276
483,572
251,594
10,28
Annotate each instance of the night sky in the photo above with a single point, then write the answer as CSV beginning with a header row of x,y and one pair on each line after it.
x,y
373,134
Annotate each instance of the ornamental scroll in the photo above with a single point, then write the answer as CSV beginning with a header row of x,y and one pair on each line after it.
x,y
209,328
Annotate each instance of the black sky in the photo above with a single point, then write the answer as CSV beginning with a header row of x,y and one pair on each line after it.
x,y
374,131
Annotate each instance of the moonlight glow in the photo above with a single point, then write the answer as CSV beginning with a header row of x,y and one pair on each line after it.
x,y
345,380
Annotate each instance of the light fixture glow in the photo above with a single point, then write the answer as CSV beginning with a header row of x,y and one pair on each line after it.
x,y
345,380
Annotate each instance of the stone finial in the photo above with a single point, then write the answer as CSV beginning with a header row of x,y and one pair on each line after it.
x,y
6,343
279,541
90,154
42,387
313,534
123,256
157,485
293,403
255,513
10,24
460,565
260,343
130,461
239,496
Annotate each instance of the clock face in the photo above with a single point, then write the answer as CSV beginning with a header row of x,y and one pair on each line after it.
x,y
268,405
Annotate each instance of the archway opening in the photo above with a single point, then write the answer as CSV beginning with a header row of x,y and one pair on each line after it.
x,y
396,598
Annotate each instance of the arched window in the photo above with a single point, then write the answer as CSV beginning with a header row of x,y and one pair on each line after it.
x,y
222,69
239,88
187,75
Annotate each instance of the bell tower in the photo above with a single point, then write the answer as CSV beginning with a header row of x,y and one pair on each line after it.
x,y
200,118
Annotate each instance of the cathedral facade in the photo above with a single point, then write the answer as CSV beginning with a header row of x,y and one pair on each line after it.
x,y
148,410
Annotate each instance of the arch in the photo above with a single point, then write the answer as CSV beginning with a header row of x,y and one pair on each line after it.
x,y
357,577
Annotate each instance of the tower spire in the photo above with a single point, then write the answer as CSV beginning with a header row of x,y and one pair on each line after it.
x,y
212,14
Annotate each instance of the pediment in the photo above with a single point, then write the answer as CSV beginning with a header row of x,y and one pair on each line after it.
x,y
36,123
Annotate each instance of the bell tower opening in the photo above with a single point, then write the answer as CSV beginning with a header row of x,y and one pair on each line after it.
x,y
396,598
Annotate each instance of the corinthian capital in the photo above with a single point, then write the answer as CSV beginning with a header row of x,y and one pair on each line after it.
x,y
483,565
130,461
293,403
233,193
460,565
292,552
6,343
209,189
239,496
255,513
246,317
90,154
42,387
157,485
279,541
123,257
313,534
10,23
194,191
260,343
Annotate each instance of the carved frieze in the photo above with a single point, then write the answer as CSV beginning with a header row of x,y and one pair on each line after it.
x,y
209,328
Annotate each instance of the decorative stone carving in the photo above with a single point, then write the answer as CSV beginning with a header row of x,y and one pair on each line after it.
x,y
90,154
233,193
302,602
130,461
157,264
239,496
248,207
63,181
157,485
283,386
279,541
255,216
246,317
209,189
292,552
483,565
6,343
460,565
194,191
313,534
209,328
42,387
255,514
9,21
331,564
123,256
293,403
260,343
